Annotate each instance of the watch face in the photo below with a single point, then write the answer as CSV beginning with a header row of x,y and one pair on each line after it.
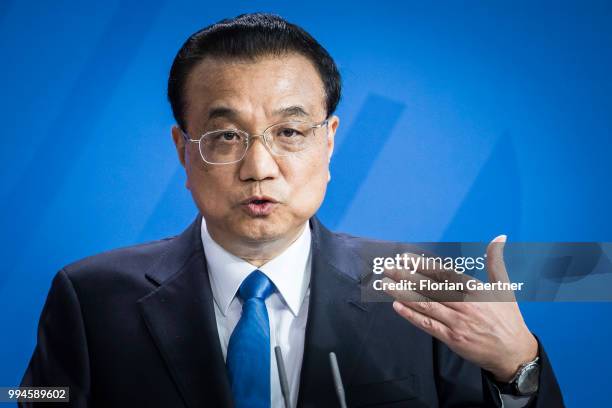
x,y
528,380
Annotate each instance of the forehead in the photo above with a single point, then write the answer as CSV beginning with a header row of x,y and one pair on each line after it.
x,y
254,88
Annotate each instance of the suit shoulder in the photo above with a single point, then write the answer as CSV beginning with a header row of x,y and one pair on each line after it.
x,y
119,262
367,245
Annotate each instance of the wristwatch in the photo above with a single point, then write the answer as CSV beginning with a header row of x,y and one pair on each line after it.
x,y
525,382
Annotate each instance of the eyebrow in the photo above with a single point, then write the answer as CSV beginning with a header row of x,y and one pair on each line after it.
x,y
295,110
225,112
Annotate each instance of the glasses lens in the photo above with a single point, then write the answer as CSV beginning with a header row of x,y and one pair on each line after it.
x,y
223,146
291,137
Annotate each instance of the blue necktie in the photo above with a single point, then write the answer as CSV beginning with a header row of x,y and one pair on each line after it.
x,y
248,351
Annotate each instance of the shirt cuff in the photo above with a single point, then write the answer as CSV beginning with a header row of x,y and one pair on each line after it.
x,y
513,401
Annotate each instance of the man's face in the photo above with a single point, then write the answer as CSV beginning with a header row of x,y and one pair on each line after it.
x,y
251,96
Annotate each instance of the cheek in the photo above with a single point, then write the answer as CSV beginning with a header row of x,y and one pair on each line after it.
x,y
210,188
308,185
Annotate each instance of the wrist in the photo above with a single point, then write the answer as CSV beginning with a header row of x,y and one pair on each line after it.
x,y
525,382
507,372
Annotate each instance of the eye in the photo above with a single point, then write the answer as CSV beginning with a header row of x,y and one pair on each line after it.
x,y
226,136
229,136
289,132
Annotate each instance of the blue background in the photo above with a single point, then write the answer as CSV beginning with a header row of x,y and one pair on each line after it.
x,y
459,121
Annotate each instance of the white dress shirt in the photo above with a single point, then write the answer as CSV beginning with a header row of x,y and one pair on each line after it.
x,y
287,307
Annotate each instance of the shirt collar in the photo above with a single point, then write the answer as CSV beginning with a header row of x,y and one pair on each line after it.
x,y
289,271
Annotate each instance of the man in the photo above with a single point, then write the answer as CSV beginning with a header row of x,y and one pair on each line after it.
x,y
193,320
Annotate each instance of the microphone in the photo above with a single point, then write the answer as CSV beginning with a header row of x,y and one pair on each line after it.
x,y
333,361
282,376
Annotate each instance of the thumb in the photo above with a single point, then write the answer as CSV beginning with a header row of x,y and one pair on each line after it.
x,y
496,268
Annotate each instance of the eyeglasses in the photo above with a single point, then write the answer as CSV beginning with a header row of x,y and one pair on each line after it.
x,y
226,146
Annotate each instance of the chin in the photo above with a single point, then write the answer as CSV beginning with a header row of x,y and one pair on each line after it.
x,y
267,228
261,229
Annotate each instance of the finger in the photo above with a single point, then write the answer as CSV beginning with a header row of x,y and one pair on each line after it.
x,y
403,295
446,291
428,324
435,310
497,272
401,270
496,268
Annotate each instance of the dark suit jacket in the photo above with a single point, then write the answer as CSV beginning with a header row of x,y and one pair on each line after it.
x,y
135,327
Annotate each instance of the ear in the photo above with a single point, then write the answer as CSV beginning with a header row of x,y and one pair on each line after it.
x,y
332,127
180,146
179,143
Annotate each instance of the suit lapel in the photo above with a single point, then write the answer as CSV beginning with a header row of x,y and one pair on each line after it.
x,y
180,316
337,319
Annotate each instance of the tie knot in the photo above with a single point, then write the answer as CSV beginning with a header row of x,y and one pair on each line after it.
x,y
256,285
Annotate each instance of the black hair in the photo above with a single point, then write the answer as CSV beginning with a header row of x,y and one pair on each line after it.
x,y
249,36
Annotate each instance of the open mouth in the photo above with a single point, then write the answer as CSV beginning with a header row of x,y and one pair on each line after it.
x,y
259,206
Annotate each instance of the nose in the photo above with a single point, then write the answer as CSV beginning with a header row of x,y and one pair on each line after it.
x,y
258,163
